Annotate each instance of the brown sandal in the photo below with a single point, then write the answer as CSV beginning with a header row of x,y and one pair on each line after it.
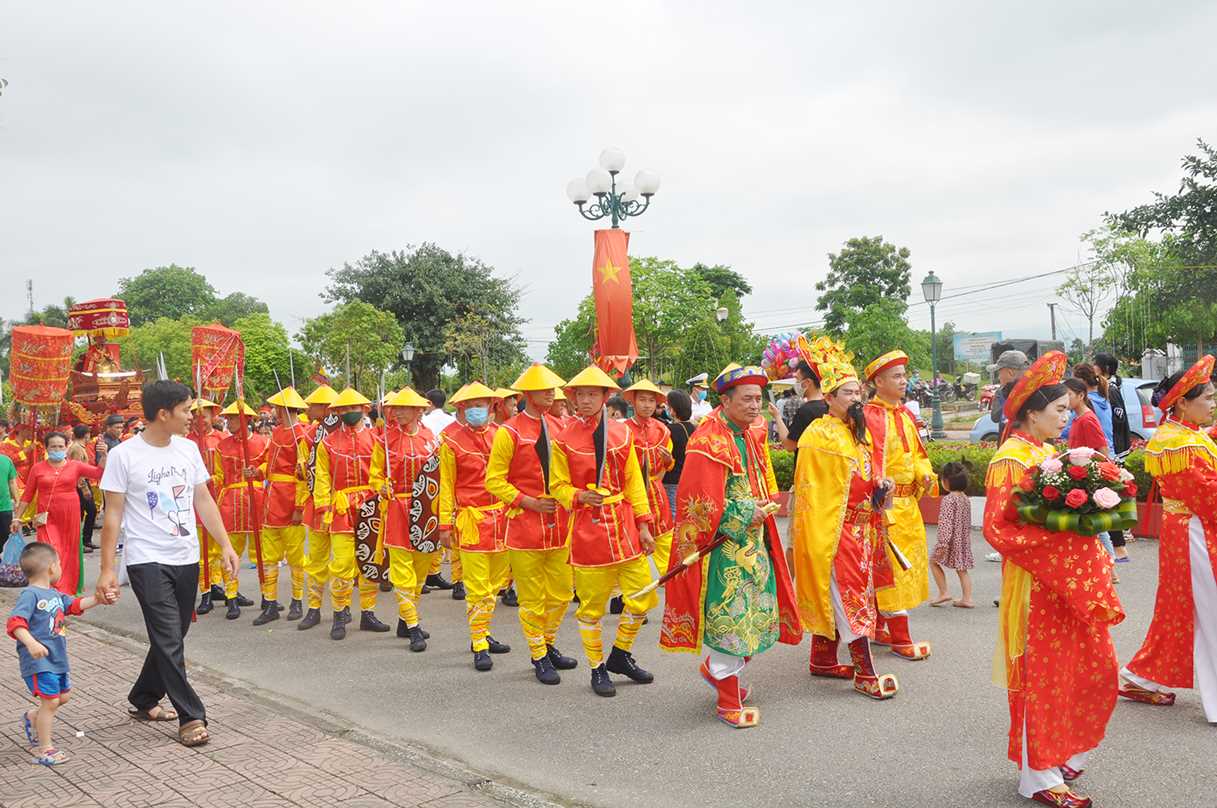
x,y
193,733
153,714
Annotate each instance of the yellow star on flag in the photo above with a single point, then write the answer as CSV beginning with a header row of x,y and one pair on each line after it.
x,y
608,272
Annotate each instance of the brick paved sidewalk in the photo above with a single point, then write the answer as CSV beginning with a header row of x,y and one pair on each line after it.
x,y
257,757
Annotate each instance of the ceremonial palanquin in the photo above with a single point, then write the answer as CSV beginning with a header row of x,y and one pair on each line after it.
x,y
99,386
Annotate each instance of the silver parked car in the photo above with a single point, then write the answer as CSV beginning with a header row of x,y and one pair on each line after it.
x,y
1142,416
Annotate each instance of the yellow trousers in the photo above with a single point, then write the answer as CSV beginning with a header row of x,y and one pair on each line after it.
x,y
408,570
544,585
272,554
454,563
317,565
483,572
343,574
213,563
663,552
595,586
288,543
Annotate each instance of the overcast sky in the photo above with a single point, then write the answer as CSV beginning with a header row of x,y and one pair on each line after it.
x,y
263,143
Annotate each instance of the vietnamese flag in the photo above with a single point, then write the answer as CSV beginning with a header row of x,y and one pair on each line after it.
x,y
615,348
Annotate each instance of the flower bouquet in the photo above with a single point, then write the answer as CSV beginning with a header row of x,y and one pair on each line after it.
x,y
1078,491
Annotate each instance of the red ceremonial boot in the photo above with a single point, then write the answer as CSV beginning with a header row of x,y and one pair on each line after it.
x,y
865,680
824,659
902,641
730,708
1133,692
883,634
1061,799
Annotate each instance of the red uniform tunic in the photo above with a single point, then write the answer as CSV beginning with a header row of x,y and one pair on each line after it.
x,y
343,477
237,509
464,500
207,443
20,457
286,491
407,454
653,443
55,489
515,472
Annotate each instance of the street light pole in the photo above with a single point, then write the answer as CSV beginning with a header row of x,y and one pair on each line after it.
x,y
931,288
612,202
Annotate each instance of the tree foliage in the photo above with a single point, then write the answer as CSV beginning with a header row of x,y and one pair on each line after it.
x,y
266,355
722,279
357,335
1086,290
866,271
166,292
427,289
233,307
166,336
881,327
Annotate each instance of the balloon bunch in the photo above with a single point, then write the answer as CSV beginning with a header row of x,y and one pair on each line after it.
x,y
781,356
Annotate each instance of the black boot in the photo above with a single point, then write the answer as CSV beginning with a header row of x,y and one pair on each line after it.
x,y
311,618
562,663
234,609
368,621
417,641
496,647
458,590
403,631
205,604
296,610
601,684
510,598
616,605
482,661
338,631
278,606
243,601
622,662
218,594
545,672
269,612
385,585
437,581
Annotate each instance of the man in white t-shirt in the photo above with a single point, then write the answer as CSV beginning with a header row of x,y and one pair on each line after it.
x,y
154,484
436,419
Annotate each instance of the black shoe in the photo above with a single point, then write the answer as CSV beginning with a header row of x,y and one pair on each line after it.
x,y
482,661
243,601
437,581
218,594
265,602
269,613
89,547
616,605
562,663
311,618
496,647
510,598
545,672
417,641
385,585
403,631
296,610
458,590
338,631
601,684
368,621
205,606
234,609
622,662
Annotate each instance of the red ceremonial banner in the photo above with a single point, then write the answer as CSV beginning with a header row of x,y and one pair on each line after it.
x,y
100,318
615,348
41,362
215,353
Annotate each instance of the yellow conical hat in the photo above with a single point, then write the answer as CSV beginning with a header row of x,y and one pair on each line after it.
x,y
559,395
537,378
592,376
504,392
349,397
407,397
471,392
231,409
203,404
644,386
322,395
289,398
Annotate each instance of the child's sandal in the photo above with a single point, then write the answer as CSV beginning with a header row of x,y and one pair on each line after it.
x,y
28,726
50,757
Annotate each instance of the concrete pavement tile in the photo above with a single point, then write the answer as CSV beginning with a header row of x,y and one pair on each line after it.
x,y
131,789
45,790
234,791
253,761
464,800
408,791
367,801
309,786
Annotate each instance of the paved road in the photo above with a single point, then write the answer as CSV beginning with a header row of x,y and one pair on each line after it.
x,y
941,742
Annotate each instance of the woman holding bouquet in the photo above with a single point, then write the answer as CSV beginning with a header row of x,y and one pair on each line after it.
x,y
1181,647
1055,656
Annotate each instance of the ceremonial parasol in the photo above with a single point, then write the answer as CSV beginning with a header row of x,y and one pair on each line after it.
x,y
40,366
217,357
106,317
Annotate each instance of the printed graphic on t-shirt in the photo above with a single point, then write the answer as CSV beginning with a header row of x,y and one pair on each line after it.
x,y
53,606
170,499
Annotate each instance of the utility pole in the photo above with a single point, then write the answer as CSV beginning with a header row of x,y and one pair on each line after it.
x,y
1052,313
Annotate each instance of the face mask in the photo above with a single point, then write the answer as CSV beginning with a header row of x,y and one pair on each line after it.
x,y
57,455
352,418
477,416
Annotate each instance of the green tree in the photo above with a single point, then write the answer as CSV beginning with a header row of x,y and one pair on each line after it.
x,y
166,336
171,291
356,335
744,345
667,300
881,327
1086,290
232,307
266,354
704,349
722,278
427,288
568,352
866,271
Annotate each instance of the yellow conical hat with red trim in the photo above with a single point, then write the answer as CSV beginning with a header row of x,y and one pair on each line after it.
x,y
289,398
537,378
322,395
407,397
231,409
593,376
350,397
471,392
644,386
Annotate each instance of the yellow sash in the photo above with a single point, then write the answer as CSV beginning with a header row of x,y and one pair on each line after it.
x,y
342,502
468,519
1012,623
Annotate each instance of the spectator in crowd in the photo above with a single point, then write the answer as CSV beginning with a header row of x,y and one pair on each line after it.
x,y
681,428
618,408
1010,365
699,385
435,418
1109,369
80,450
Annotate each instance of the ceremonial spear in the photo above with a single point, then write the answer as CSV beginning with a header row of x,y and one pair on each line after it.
x,y
198,392
249,483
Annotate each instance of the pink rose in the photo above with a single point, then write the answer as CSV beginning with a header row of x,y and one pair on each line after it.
x,y
1051,466
1106,499
1126,475
1076,498
1081,455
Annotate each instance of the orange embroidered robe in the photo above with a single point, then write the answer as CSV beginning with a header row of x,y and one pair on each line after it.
x,y
518,467
653,443
1058,604
286,490
479,516
342,480
237,508
407,454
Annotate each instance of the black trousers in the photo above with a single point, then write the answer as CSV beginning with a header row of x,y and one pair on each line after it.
x,y
88,509
1117,538
166,597
6,524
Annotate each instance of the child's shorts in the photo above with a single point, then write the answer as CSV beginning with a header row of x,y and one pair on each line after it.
x,y
46,685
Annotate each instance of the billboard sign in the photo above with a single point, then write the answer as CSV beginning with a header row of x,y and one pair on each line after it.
x,y
973,346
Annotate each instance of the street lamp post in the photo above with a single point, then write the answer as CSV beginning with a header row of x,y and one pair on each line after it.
x,y
616,203
931,287
407,356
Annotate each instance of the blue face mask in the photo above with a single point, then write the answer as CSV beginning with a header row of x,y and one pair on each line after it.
x,y
57,455
477,416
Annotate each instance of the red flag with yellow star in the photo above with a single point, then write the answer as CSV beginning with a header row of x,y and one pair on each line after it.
x,y
615,348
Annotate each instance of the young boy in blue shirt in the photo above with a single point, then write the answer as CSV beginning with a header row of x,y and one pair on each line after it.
x,y
36,623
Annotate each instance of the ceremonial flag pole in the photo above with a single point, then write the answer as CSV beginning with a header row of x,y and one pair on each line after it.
x,y
198,392
249,483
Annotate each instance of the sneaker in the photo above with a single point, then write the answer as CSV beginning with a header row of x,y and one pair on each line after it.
x,y
458,590
296,610
269,612
311,619
438,581
544,670
510,598
338,631
243,601
417,641
205,605
368,621
234,609
601,684
994,557
496,647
